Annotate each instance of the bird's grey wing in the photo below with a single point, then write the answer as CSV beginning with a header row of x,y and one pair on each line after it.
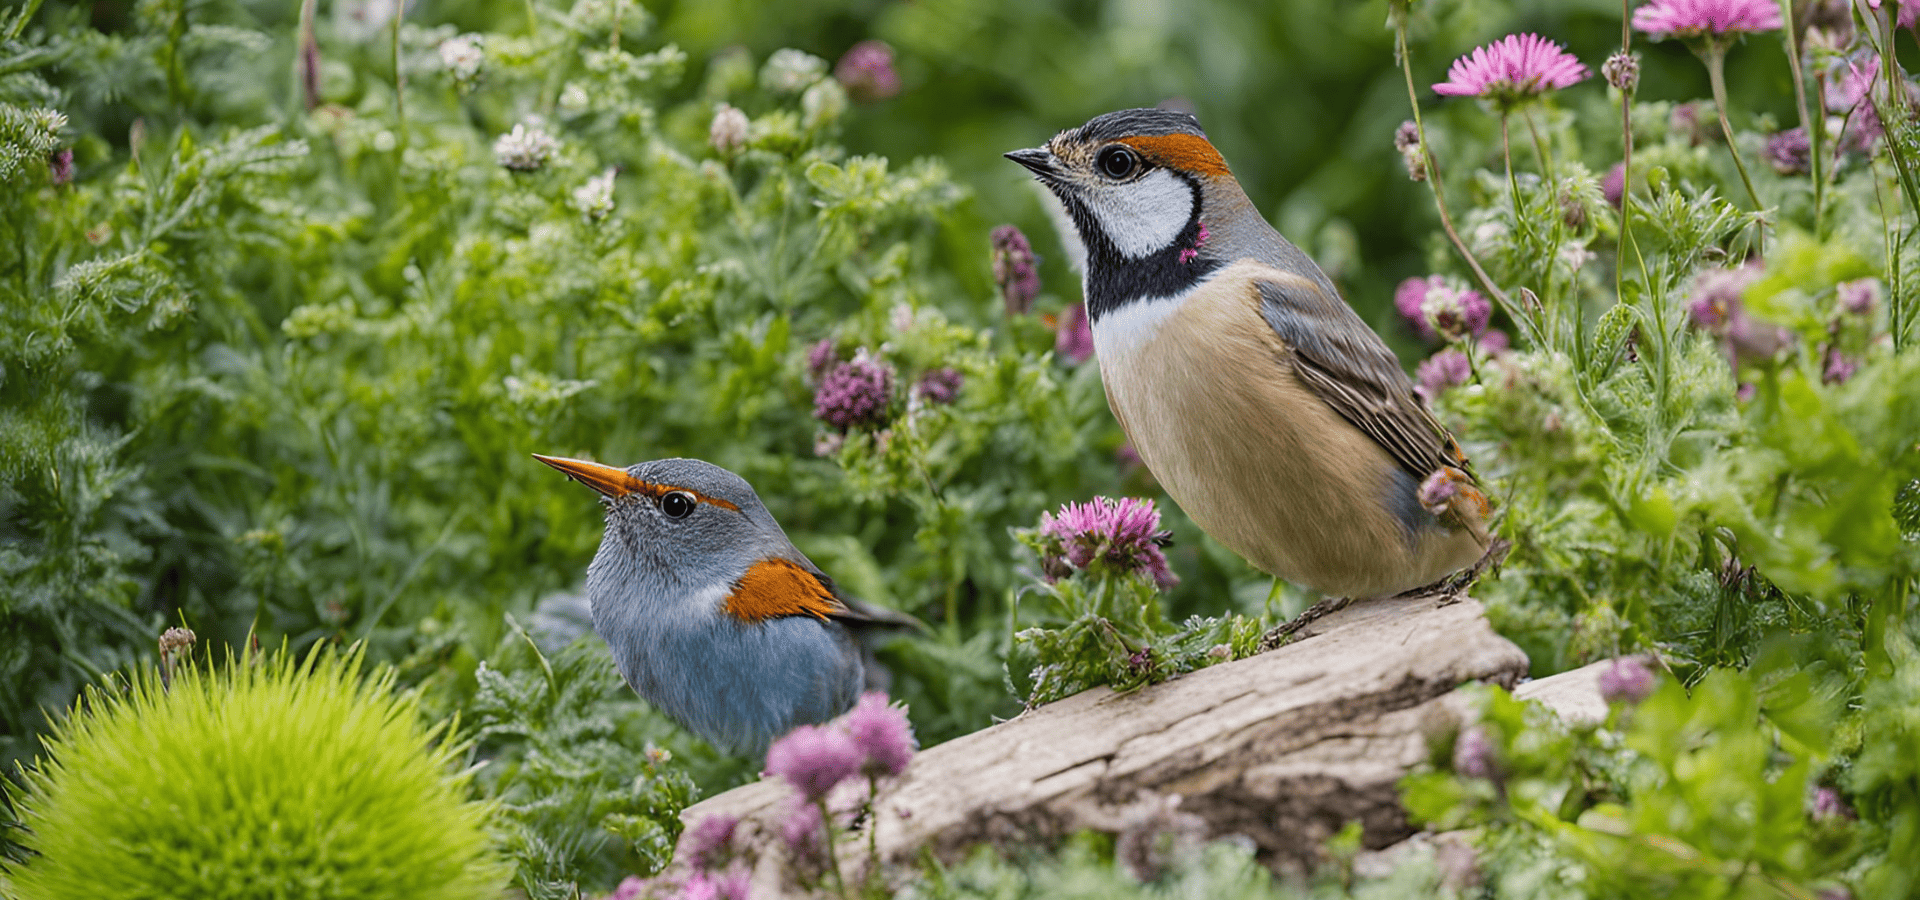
x,y
1343,362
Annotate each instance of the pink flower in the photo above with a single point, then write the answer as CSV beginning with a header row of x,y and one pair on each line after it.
x,y
1455,314
1495,342
802,833
814,758
1073,338
1409,299
709,843
1858,297
1627,680
1838,367
1511,69
882,733
1789,152
60,165
1908,13
821,358
1014,270
867,72
1441,371
1663,19
1716,296
855,393
1473,753
940,385
1107,536
1614,186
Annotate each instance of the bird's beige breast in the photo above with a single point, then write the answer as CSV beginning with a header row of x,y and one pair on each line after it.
x,y
1211,403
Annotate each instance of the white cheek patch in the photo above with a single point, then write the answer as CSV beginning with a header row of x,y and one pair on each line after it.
x,y
1119,332
1143,217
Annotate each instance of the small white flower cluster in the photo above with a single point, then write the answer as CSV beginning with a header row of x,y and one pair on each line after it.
x,y
595,198
462,57
729,130
525,148
790,71
824,102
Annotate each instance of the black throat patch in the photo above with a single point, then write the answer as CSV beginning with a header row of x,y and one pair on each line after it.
x,y
1114,280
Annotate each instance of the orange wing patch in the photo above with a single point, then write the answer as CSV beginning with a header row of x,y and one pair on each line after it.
x,y
1187,152
780,587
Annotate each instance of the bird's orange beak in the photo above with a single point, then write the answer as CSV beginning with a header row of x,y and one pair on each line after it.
x,y
605,479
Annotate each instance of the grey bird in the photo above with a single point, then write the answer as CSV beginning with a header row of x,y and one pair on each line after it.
x,y
713,615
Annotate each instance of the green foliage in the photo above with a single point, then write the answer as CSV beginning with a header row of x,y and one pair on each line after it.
x,y
1091,629
1085,868
1701,794
584,798
260,778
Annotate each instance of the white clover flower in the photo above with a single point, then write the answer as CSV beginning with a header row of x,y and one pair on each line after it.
x,y
574,99
524,149
790,71
595,198
462,57
729,130
822,103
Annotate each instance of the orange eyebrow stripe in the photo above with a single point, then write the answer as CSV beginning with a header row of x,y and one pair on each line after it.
x,y
1180,151
779,587
656,491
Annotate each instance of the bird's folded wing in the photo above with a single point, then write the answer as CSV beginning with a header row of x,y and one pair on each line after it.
x,y
1338,358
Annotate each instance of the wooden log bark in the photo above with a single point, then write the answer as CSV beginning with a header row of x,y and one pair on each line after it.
x,y
1285,747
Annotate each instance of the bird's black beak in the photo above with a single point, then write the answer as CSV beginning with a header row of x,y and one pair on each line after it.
x,y
609,481
1039,160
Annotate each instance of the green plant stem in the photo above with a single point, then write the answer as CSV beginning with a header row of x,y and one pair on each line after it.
x,y
1439,190
833,858
1716,59
1815,126
399,77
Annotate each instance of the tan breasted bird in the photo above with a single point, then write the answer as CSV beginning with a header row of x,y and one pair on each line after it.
x,y
1260,401
713,615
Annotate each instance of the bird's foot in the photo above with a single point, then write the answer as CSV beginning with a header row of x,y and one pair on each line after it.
x,y
1284,632
1453,588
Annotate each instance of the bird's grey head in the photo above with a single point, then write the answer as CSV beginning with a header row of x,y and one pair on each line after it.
x,y
676,528
1134,183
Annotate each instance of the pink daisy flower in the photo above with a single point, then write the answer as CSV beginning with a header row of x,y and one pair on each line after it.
x,y
1663,19
1513,68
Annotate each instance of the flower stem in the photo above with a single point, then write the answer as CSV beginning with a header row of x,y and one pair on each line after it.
x,y
833,858
1815,127
1439,190
399,76
1717,79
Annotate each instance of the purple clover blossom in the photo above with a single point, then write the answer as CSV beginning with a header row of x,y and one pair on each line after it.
x,y
1014,270
60,165
1614,186
1106,535
1622,71
1906,14
1473,753
632,887
1857,297
1446,369
1838,368
1073,337
1495,342
857,393
803,832
1789,152
882,733
733,884
1626,680
1662,19
1409,299
940,385
1827,804
1512,69
867,72
814,758
821,358
1716,297
1406,140
708,844
1455,314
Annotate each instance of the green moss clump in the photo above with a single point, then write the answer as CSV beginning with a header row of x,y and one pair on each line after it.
x,y
279,778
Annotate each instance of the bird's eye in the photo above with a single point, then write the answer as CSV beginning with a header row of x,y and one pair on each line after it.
x,y
677,505
1117,162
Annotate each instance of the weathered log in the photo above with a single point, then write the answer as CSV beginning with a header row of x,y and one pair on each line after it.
x,y
1285,747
